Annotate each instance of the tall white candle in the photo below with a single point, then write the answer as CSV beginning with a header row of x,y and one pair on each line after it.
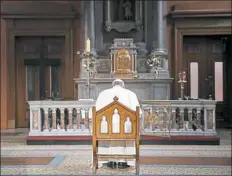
x,y
88,45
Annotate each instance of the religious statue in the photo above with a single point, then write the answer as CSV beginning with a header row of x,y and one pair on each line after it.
x,y
127,5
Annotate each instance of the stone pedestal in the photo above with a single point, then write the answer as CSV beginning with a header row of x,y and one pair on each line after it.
x,y
145,89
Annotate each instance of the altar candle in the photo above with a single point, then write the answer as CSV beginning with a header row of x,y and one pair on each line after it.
x,y
88,45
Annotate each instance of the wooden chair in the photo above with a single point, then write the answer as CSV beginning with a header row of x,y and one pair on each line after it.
x,y
103,117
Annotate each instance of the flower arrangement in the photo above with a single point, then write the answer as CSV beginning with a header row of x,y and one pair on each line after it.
x,y
154,61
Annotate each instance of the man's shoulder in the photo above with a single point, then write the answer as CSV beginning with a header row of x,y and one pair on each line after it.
x,y
106,91
131,92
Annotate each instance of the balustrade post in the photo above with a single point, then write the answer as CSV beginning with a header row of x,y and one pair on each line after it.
x,y
173,120
35,120
181,127
46,113
198,123
210,119
54,125
62,124
190,119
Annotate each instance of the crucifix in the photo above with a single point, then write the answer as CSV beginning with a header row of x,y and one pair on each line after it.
x,y
42,62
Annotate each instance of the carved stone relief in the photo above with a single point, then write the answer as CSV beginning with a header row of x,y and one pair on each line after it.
x,y
142,66
103,66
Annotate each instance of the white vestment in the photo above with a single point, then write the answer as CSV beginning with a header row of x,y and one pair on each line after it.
x,y
129,99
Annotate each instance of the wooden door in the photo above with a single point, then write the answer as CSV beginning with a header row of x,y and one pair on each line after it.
x,y
216,71
194,55
38,72
204,61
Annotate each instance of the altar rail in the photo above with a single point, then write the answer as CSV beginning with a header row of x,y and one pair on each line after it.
x,y
166,117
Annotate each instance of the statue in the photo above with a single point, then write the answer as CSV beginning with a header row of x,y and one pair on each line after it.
x,y
127,5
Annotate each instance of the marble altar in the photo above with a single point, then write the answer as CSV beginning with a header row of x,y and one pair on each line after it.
x,y
124,43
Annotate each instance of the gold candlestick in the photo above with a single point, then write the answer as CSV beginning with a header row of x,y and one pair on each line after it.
x,y
89,65
182,81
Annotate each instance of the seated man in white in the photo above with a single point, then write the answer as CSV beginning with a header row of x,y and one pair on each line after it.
x,y
129,99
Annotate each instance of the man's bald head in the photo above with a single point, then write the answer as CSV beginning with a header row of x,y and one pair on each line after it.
x,y
118,82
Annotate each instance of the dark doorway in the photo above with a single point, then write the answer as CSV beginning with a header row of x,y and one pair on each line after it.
x,y
208,64
38,71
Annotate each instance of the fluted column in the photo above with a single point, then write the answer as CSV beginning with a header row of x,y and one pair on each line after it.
x,y
159,47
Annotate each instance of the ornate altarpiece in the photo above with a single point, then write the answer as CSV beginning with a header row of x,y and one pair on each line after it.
x,y
123,58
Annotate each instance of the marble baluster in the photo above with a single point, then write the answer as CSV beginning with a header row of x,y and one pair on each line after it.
x,y
190,119
46,124
198,123
62,123
173,128
205,119
78,119
54,125
86,119
181,119
70,119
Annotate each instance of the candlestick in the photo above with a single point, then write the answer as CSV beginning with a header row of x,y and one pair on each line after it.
x,y
182,81
89,66
88,45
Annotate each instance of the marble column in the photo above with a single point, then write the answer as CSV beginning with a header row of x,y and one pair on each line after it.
x,y
89,31
108,10
92,25
108,16
160,48
85,24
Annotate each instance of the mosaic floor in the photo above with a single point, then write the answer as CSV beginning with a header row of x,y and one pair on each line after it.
x,y
20,159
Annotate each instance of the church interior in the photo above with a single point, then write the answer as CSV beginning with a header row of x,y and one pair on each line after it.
x,y
148,79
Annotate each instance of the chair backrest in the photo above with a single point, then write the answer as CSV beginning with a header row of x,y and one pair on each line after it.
x,y
115,121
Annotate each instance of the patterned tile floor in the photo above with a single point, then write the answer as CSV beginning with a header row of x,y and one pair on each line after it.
x,y
76,160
